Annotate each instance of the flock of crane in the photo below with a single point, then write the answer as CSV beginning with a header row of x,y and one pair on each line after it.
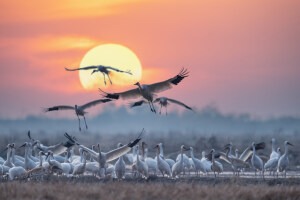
x,y
131,158
145,92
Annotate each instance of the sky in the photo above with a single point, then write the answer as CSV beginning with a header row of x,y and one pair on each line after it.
x,y
243,56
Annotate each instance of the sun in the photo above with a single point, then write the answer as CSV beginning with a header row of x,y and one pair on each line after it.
x,y
114,55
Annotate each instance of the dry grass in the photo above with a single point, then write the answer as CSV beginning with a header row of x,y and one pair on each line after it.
x,y
153,189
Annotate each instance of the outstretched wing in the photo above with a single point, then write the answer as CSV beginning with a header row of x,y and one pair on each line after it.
x,y
93,153
179,103
248,151
116,153
167,84
58,148
130,94
118,70
82,68
93,103
138,103
224,157
56,108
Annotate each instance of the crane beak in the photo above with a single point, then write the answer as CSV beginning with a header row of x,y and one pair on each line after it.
x,y
186,149
22,145
136,83
35,143
155,146
226,147
290,144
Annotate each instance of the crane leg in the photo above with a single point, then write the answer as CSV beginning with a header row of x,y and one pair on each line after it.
x,y
79,123
160,109
284,173
104,78
85,122
109,79
153,107
150,106
166,110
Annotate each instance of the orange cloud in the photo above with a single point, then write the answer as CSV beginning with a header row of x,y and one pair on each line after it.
x,y
35,10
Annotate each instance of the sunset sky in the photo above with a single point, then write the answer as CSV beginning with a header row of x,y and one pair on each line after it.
x,y
243,56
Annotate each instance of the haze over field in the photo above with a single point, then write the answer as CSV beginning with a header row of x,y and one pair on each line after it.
x,y
122,120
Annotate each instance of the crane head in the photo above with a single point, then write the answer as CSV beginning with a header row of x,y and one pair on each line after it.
x,y
95,70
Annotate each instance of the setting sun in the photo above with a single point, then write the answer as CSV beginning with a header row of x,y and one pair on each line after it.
x,y
113,55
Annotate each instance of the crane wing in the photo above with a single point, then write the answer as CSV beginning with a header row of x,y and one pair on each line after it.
x,y
93,103
114,154
179,103
118,70
209,156
57,148
82,68
56,108
93,153
167,84
130,94
248,151
61,148
224,157
138,103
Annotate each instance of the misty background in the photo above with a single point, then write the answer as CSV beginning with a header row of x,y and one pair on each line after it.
x,y
204,129
121,120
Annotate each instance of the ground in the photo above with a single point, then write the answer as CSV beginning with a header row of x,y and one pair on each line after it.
x,y
154,188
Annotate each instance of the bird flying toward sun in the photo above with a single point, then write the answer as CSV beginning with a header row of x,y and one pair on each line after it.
x,y
105,70
79,110
148,91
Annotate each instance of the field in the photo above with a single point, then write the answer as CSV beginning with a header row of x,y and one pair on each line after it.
x,y
156,188
226,186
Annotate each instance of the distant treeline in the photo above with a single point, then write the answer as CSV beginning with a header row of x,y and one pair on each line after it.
x,y
122,120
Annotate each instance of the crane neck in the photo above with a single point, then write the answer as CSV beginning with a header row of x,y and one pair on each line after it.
x,y
140,87
134,151
227,153
84,160
8,154
26,152
13,151
236,154
286,149
41,160
192,154
137,157
254,151
143,152
66,158
161,150
157,154
273,146
181,156
230,151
